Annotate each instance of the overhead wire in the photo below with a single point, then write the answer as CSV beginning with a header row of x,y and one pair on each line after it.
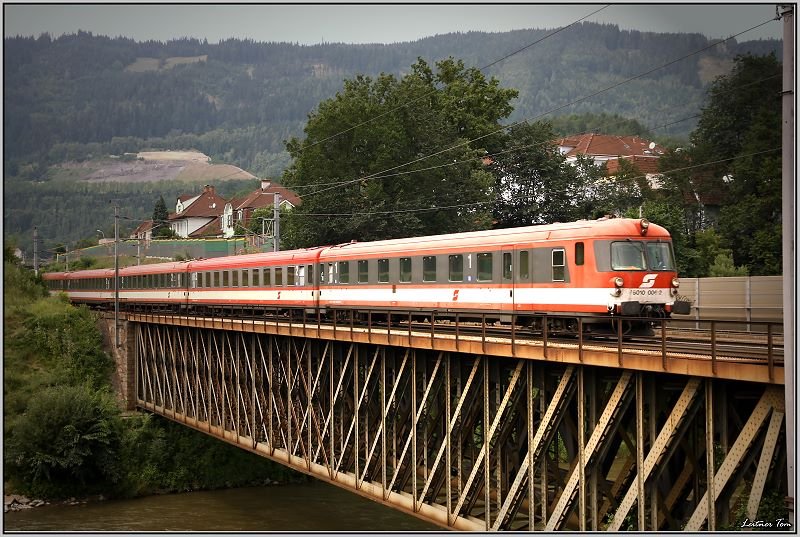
x,y
429,93
538,144
576,101
490,202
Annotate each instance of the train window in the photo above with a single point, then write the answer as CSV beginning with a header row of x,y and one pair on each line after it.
x,y
322,273
256,277
428,268
290,272
558,265
455,271
363,271
628,255
507,266
383,270
310,272
485,267
246,278
234,278
279,276
173,280
579,253
659,256
267,276
226,278
344,272
524,270
405,269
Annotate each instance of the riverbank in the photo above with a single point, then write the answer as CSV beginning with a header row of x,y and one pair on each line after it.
x,y
65,435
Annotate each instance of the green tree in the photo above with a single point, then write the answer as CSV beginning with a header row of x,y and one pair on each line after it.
x,y
258,220
66,443
367,180
534,183
723,266
740,130
161,228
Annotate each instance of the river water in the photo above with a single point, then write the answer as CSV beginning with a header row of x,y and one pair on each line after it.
x,y
308,507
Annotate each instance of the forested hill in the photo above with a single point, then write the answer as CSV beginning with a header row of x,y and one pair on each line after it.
x,y
239,100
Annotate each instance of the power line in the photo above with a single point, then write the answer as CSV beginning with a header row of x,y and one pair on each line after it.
x,y
538,144
491,202
579,100
427,94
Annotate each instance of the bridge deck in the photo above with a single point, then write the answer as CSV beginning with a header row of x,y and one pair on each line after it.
x,y
658,357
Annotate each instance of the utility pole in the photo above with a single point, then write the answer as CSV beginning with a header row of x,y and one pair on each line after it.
x,y
788,170
66,257
276,226
35,251
116,274
138,251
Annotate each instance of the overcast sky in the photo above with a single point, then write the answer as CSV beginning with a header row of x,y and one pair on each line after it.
x,y
375,23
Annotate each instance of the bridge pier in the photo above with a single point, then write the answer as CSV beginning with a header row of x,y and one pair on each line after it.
x,y
124,375
471,441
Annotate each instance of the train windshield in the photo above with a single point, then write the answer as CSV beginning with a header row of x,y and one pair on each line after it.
x,y
659,256
628,255
636,255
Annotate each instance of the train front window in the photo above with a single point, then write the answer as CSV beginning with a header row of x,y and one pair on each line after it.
x,y
628,255
659,256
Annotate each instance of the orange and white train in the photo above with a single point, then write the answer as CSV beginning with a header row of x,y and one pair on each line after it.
x,y
612,268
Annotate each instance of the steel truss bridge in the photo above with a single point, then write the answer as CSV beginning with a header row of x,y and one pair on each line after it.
x,y
474,431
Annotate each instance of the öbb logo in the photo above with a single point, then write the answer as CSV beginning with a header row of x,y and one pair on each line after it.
x,y
648,281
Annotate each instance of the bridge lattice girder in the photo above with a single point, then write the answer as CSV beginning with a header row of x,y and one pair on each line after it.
x,y
471,441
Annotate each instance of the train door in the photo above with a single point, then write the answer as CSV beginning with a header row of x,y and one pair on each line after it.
x,y
507,277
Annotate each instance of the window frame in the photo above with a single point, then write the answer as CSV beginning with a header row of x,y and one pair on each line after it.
x,y
562,268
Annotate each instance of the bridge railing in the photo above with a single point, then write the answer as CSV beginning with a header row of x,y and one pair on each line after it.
x,y
675,345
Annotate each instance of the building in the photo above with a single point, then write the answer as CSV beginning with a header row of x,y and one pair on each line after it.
x,y
608,150
144,231
238,212
198,216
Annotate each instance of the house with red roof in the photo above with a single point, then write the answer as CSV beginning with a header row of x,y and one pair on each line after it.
x,y
238,212
198,216
609,149
143,231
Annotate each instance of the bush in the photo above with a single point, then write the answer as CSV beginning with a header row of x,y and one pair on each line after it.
x,y
66,338
161,456
66,443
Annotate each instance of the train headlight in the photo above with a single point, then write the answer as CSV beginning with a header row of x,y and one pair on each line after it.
x,y
676,283
619,282
644,224
616,292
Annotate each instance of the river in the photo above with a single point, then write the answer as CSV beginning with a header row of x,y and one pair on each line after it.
x,y
308,507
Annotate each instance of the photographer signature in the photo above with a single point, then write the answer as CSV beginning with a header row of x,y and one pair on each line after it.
x,y
778,524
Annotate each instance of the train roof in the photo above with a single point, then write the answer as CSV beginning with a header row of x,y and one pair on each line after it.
x,y
153,268
300,256
91,273
582,229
